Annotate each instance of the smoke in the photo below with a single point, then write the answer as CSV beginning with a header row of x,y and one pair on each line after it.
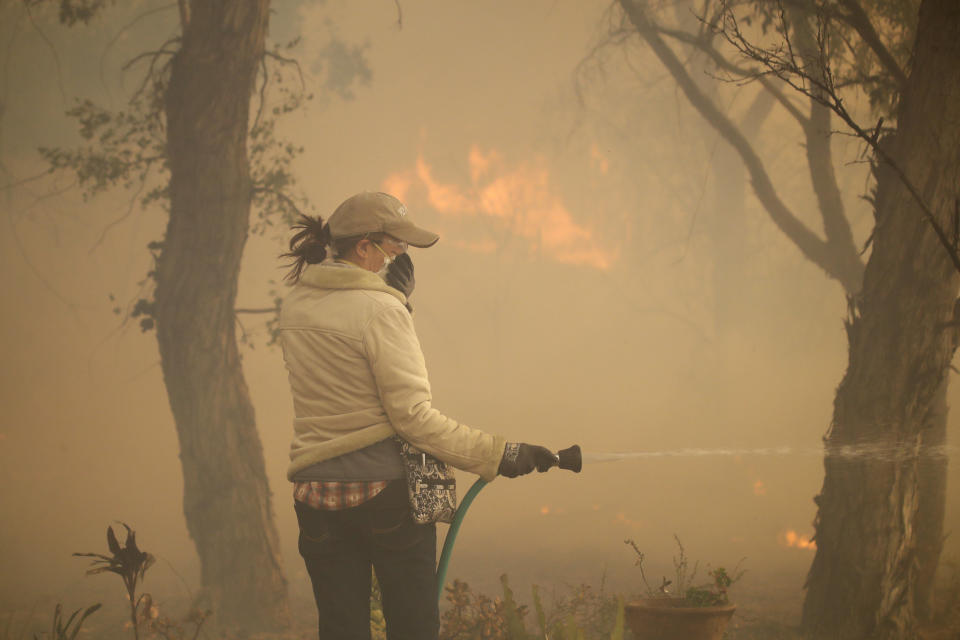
x,y
580,294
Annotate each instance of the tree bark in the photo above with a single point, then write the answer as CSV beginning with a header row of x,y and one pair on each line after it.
x,y
932,505
227,500
864,579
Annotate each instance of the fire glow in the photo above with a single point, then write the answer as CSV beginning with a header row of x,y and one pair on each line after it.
x,y
518,198
792,539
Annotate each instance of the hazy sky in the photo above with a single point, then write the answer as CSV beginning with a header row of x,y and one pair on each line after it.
x,y
573,298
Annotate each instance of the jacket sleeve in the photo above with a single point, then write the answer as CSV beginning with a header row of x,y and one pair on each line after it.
x,y
398,366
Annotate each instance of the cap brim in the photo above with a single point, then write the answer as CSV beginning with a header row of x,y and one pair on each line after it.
x,y
413,235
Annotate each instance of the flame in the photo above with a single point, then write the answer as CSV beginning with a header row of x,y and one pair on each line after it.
x,y
519,198
544,510
759,488
791,538
398,185
622,518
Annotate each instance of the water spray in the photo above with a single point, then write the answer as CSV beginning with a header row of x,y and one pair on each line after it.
x,y
880,452
572,459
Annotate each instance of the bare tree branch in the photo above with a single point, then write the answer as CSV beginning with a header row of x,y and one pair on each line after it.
x,y
52,193
287,200
53,51
810,245
817,132
116,37
782,61
36,272
293,61
615,36
150,54
23,181
151,70
127,214
723,63
258,310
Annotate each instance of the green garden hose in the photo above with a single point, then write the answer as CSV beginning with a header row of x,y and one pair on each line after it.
x,y
569,459
452,534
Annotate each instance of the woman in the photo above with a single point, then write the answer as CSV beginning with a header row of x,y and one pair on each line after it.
x,y
358,378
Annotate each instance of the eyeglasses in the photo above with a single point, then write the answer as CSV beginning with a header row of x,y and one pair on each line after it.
x,y
399,244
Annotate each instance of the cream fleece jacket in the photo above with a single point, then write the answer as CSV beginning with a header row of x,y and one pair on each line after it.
x,y
357,374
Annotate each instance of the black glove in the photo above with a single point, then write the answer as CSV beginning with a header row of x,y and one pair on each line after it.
x,y
520,459
400,276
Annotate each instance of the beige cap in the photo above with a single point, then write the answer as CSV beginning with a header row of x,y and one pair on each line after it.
x,y
376,212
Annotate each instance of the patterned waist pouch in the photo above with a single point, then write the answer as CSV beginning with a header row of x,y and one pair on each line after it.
x,y
431,485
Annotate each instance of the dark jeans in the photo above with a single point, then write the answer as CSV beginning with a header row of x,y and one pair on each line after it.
x,y
339,548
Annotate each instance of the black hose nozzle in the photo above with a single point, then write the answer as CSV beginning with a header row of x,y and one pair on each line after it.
x,y
570,459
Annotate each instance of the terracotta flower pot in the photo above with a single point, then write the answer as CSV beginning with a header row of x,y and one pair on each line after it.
x,y
672,619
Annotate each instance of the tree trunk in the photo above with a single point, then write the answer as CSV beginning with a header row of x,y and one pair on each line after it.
x,y
932,505
227,500
864,579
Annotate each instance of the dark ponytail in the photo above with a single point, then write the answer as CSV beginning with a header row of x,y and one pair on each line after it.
x,y
307,246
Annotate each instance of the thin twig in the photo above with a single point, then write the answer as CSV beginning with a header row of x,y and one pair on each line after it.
x,y
151,72
24,181
123,29
721,61
260,310
154,54
243,330
285,60
53,51
54,192
639,563
36,272
129,212
281,196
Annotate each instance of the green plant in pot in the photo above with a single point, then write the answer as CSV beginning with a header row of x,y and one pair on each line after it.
x,y
680,609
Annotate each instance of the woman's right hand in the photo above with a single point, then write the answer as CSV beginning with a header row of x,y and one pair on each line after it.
x,y
400,274
520,459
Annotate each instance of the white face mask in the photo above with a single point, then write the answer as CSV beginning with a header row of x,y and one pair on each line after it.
x,y
387,259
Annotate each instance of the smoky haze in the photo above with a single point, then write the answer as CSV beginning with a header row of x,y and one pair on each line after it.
x,y
583,291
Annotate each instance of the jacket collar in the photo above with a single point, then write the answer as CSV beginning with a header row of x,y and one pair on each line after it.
x,y
341,275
